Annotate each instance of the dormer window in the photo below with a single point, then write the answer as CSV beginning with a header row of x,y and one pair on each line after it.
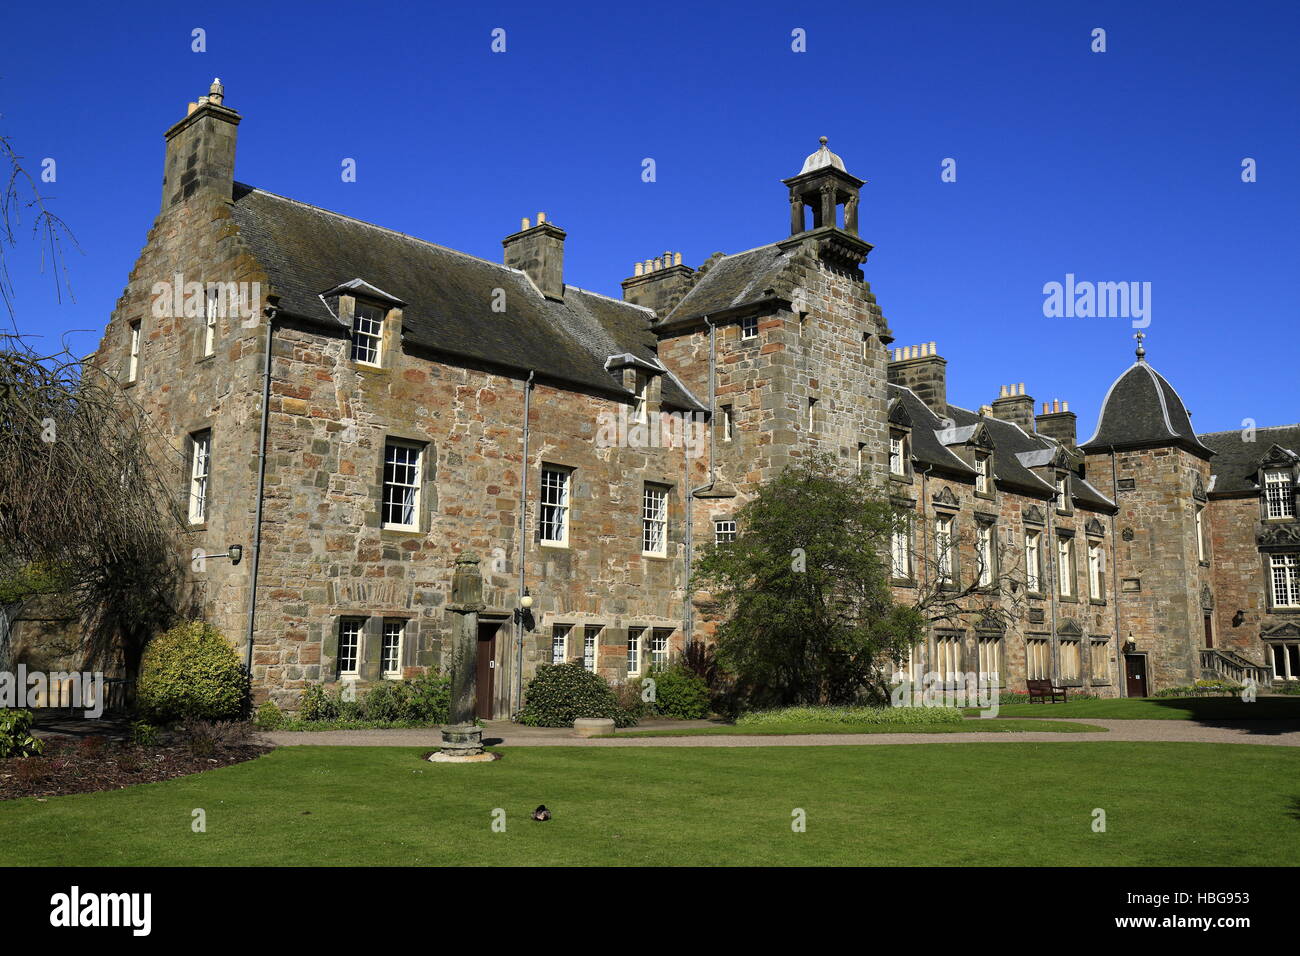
x,y
983,484
1063,493
898,454
367,334
1279,502
640,412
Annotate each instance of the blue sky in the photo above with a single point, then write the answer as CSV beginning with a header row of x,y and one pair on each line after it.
x,y
1115,166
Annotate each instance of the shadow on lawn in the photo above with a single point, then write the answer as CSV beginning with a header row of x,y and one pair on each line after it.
x,y
1266,715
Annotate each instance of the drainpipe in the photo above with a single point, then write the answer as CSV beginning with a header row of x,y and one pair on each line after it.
x,y
688,611
523,552
261,487
1053,572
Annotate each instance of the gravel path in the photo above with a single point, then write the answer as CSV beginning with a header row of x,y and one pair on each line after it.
x,y
502,733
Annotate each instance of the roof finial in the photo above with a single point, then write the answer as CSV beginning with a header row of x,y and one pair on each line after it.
x,y
823,140
1141,352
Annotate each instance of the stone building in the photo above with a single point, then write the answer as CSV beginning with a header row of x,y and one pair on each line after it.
x,y
354,407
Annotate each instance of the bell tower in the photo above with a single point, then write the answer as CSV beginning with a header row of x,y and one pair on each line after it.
x,y
824,188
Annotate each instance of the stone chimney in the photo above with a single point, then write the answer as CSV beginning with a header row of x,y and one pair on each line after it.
x,y
539,251
201,150
658,283
920,368
1013,405
1057,421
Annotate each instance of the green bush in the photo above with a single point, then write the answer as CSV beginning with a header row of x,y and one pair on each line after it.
x,y
562,693
144,734
422,701
1290,687
269,716
680,694
853,715
191,672
16,737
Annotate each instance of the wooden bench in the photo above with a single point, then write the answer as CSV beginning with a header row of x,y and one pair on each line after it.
x,y
1045,691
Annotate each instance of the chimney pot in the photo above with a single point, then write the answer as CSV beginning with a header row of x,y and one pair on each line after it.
x,y
524,224
677,258
541,218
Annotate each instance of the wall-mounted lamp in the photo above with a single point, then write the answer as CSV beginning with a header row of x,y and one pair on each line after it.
x,y
1238,618
523,613
235,552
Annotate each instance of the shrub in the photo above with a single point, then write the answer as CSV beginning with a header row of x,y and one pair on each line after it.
x,y
1290,688
206,737
385,702
318,705
561,693
144,734
191,672
269,716
16,737
680,694
631,708
430,698
854,715
423,700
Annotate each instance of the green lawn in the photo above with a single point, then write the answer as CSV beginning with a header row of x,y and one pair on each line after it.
x,y
935,804
1169,708
812,727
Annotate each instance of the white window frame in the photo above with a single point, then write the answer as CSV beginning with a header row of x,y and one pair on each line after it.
x,y
641,410
591,645
983,485
660,645
1034,561
1281,654
900,548
390,502
209,325
654,520
390,648
812,416
133,362
944,550
1096,570
634,635
368,334
1063,494
553,495
749,327
1099,661
985,536
1038,658
897,455
728,422
560,643
1284,579
724,530
200,474
1279,499
1069,659
351,630
990,653
948,658
1200,533
1064,566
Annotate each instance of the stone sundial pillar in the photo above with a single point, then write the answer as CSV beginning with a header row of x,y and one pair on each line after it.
x,y
462,739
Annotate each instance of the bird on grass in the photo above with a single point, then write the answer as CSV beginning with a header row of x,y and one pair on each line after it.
x,y
541,813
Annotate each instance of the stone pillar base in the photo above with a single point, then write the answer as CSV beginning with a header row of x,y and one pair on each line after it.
x,y
462,740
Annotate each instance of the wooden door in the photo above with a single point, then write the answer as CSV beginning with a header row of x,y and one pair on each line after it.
x,y
1209,631
486,672
1135,669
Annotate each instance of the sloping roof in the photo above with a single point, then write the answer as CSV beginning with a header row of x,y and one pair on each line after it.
x,y
731,282
926,447
1008,442
448,295
1142,409
1236,460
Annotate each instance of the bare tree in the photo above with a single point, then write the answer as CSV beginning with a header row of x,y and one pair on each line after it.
x,y
85,509
21,195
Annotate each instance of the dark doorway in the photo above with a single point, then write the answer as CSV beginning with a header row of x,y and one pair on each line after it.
x,y
1135,670
486,671
1209,631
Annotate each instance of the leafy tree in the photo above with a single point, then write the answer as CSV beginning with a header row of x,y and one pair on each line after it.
x,y
807,612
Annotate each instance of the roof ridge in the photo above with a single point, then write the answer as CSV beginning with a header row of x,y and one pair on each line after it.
x,y
610,298
1238,431
372,225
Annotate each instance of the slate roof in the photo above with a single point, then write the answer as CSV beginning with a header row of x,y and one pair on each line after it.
x,y
732,282
1012,448
926,447
448,296
1142,409
1236,461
